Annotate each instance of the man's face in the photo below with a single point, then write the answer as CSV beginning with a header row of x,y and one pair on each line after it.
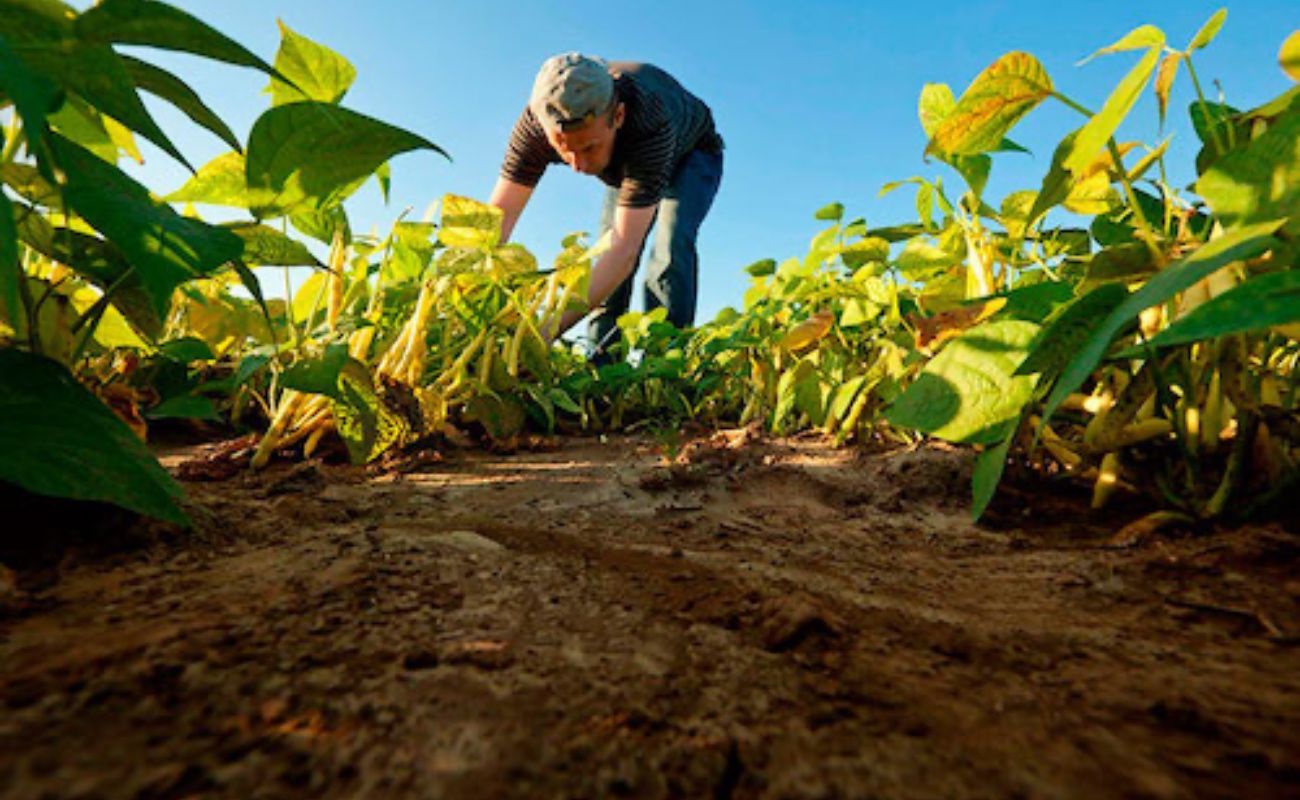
x,y
589,148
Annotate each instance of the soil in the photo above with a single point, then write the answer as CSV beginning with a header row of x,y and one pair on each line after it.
x,y
591,618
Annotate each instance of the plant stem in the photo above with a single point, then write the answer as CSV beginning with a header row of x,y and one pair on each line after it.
x,y
1146,233
1205,109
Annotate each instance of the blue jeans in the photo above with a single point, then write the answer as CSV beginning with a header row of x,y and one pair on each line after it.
x,y
672,271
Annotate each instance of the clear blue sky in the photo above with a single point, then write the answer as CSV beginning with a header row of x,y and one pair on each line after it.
x,y
816,99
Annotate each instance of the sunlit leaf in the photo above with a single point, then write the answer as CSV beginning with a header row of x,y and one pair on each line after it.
x,y
1165,76
1289,56
809,332
316,72
936,105
1260,181
868,250
762,268
220,182
313,155
166,248
59,440
1208,31
1092,137
830,213
1147,36
469,223
995,101
970,391
264,246
921,261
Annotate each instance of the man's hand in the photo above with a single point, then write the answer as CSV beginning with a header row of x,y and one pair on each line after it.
x,y
615,266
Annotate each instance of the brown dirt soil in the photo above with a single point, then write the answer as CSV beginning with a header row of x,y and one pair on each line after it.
x,y
756,619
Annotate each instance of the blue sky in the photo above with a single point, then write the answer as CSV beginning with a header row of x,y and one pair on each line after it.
x,y
817,99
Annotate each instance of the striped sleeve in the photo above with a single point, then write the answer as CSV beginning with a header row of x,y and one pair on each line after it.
x,y
528,152
650,158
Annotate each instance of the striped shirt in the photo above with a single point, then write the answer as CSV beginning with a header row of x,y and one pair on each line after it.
x,y
662,124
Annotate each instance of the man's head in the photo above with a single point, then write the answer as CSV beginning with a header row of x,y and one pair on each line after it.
x,y
574,100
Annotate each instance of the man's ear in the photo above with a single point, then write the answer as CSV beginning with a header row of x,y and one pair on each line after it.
x,y
620,111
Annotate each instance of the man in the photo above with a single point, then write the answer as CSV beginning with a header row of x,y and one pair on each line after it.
x,y
654,145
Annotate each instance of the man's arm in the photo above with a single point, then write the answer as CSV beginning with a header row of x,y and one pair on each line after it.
x,y
511,198
628,232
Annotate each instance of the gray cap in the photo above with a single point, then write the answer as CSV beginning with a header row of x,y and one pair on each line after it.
x,y
571,89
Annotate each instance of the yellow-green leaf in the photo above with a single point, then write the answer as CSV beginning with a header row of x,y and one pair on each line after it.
x,y
1093,136
1208,31
995,101
1165,81
469,223
1137,39
1289,56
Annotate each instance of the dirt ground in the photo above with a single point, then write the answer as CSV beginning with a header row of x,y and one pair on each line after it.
x,y
756,619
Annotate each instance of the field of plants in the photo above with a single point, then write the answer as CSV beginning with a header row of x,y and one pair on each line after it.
x,y
725,551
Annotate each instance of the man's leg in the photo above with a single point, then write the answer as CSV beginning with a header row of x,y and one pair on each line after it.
x,y
602,330
672,271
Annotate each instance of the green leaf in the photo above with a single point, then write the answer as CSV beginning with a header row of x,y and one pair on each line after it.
x,y
995,101
313,155
26,181
1056,183
220,182
1211,119
166,248
99,76
11,271
1121,262
762,268
1236,245
367,426
470,224
318,375
321,225
153,24
1092,137
1261,181
1256,305
969,392
1069,329
830,213
1147,36
33,94
98,261
84,125
921,261
1165,75
185,406
868,250
59,440
317,72
1208,31
186,349
1289,56
162,84
989,467
936,105
264,246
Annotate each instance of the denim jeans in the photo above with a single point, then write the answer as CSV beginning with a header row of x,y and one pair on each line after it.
x,y
672,271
